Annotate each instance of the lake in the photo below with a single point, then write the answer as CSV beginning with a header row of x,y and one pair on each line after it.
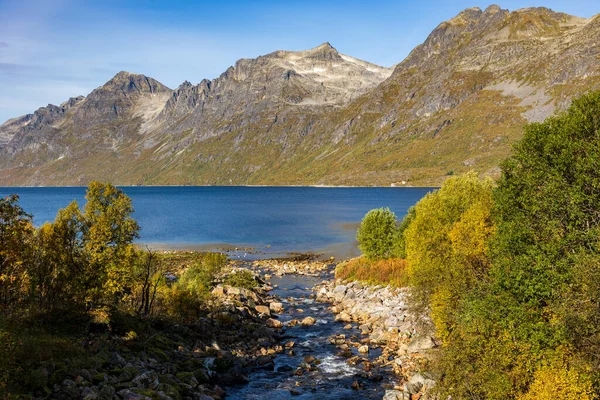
x,y
271,220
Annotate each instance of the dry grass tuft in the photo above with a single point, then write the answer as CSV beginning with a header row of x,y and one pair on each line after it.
x,y
382,272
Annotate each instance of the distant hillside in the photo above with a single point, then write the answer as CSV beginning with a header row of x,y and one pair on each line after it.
x,y
457,102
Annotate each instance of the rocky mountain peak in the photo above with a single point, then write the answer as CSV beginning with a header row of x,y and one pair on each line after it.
x,y
492,9
472,28
124,95
184,85
540,22
325,52
128,82
467,15
73,101
12,126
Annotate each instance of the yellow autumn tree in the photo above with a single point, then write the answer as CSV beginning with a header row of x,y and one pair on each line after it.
x,y
560,381
446,245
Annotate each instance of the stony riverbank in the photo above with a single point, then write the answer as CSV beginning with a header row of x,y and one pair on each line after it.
x,y
298,332
384,320
177,361
306,266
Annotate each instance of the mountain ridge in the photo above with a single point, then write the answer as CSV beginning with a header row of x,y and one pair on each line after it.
x,y
458,101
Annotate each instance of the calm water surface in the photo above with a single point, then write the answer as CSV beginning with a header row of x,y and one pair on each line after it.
x,y
273,220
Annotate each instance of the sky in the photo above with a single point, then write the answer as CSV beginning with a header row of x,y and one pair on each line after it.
x,y
51,50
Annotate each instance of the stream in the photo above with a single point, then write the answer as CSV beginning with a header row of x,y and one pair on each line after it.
x,y
333,377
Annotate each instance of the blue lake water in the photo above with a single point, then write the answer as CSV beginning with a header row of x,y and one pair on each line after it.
x,y
273,220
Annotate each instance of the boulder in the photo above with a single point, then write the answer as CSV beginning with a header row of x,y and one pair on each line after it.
x,y
263,310
233,291
343,317
308,321
419,344
274,323
276,307
365,329
147,380
340,289
396,395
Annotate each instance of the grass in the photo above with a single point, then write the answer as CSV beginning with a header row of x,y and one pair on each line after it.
x,y
382,272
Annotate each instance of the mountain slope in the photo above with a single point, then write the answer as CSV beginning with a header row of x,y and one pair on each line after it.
x,y
457,102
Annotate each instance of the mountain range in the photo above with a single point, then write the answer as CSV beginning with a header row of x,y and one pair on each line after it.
x,y
458,102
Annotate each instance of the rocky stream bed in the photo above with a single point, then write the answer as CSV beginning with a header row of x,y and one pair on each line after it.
x,y
300,334
341,340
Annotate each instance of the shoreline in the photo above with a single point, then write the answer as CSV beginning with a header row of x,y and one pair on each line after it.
x,y
234,186
340,251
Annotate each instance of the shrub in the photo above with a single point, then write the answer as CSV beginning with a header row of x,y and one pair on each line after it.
x,y
198,278
381,272
242,279
559,382
376,233
189,294
541,294
399,248
446,245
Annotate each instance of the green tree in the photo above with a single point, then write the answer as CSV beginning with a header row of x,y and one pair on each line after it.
x,y
108,233
58,265
541,299
16,233
377,233
149,278
399,248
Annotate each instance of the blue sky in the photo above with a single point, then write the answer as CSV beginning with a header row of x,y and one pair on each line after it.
x,y
51,50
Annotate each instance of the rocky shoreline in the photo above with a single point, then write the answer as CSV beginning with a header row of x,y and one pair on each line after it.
x,y
246,331
180,361
383,317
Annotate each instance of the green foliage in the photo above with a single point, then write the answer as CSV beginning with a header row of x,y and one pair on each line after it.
x,y
399,247
199,278
376,234
16,232
242,279
57,268
192,289
108,234
446,245
541,297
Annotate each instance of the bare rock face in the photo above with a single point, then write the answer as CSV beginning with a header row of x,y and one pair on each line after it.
x,y
10,127
31,130
457,102
271,83
102,121
117,98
